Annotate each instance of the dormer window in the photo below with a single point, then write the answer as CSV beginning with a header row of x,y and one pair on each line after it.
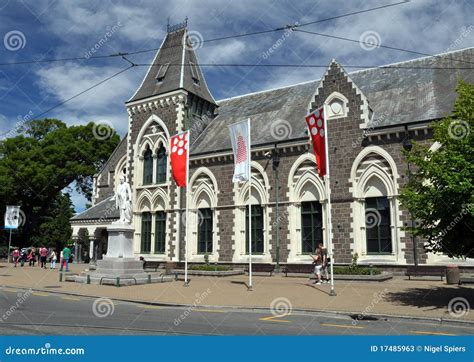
x,y
162,72
194,73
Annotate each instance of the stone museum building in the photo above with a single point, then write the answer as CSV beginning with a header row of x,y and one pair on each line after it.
x,y
372,114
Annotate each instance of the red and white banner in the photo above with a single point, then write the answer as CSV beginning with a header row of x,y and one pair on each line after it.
x,y
179,157
240,138
316,127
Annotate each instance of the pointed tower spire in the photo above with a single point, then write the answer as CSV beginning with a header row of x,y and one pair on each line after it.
x,y
174,67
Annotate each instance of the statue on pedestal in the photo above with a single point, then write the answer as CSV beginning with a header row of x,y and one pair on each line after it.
x,y
123,202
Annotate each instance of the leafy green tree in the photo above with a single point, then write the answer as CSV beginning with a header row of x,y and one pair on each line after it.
x,y
45,158
440,194
54,227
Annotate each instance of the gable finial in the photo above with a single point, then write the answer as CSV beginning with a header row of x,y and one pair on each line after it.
x,y
179,26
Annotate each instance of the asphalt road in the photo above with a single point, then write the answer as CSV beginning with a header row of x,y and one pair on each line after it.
x,y
56,314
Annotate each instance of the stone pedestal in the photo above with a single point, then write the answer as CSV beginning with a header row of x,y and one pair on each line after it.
x,y
119,265
120,241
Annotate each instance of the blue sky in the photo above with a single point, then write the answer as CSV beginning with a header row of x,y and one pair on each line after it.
x,y
56,29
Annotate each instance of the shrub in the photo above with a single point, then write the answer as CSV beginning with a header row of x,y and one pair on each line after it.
x,y
355,270
209,267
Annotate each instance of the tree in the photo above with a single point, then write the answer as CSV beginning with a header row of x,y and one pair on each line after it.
x,y
36,165
54,228
440,193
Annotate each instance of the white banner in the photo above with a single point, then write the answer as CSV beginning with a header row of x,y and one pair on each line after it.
x,y
240,138
12,217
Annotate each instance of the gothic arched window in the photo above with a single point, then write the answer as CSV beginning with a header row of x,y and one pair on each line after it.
x,y
161,165
147,167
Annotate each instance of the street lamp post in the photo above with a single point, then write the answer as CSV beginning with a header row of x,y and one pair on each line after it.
x,y
407,146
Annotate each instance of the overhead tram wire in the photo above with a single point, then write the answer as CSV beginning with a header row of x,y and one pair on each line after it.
x,y
287,27
363,67
375,45
84,91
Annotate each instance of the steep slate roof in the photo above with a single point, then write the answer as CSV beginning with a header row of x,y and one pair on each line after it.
x,y
177,76
396,96
104,209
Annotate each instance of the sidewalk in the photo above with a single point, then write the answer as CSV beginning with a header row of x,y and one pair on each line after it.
x,y
400,297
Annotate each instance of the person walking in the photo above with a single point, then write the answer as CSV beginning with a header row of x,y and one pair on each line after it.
x,y
31,257
22,257
53,258
325,262
66,254
318,265
15,256
43,252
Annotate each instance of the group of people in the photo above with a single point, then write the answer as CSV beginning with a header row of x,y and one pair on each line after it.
x,y
321,262
42,255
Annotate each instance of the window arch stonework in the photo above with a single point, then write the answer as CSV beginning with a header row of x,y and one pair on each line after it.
x,y
304,186
374,179
258,196
203,196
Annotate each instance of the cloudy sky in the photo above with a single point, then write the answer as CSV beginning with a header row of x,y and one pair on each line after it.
x,y
49,29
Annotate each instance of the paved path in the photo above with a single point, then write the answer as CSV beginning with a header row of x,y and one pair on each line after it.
x,y
52,314
422,298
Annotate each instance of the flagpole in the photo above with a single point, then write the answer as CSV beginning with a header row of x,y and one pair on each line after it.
x,y
328,193
9,246
186,282
250,205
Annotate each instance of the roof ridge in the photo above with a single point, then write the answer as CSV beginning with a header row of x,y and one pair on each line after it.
x,y
414,60
349,73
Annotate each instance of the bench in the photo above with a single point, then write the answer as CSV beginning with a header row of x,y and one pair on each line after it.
x,y
466,278
425,271
298,268
152,265
261,268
